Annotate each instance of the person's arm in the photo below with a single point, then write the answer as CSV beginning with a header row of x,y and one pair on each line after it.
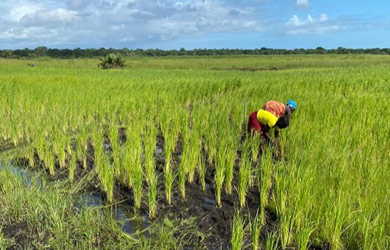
x,y
267,134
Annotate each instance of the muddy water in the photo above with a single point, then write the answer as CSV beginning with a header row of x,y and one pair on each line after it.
x,y
128,222
27,177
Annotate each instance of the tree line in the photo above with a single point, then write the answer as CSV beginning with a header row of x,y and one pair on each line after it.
x,y
91,53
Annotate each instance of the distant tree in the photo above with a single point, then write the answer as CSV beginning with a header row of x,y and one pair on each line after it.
x,y
40,51
111,61
7,53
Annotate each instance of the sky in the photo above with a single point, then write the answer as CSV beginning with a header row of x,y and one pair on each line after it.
x,y
190,24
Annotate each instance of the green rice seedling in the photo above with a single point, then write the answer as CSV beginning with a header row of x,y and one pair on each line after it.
x,y
138,180
201,166
195,157
237,240
113,135
169,179
256,227
168,173
106,177
150,136
31,155
152,197
265,182
271,241
220,172
126,166
303,237
285,231
182,174
134,167
62,151
230,161
243,180
72,167
49,159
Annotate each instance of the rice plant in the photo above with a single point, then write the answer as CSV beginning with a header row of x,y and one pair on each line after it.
x,y
237,232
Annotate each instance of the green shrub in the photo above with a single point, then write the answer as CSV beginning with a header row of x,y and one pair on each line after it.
x,y
111,61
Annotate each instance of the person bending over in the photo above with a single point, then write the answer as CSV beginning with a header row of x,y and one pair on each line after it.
x,y
272,116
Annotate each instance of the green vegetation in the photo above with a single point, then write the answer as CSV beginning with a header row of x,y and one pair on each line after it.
x,y
44,215
111,61
331,186
94,53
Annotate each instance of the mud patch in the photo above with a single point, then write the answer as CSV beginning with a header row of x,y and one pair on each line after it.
x,y
251,69
19,232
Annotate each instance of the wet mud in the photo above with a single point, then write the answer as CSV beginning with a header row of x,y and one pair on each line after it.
x,y
251,69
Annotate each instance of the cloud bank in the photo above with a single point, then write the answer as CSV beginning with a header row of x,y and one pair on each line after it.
x,y
139,23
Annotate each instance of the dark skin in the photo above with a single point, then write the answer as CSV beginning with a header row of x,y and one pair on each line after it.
x,y
283,122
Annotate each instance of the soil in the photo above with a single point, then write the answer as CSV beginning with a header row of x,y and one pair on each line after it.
x,y
4,146
252,69
20,233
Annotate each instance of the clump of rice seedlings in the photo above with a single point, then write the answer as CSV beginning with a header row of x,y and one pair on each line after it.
x,y
201,166
106,177
170,129
169,178
194,160
285,230
302,237
49,159
243,179
182,169
152,197
138,176
150,147
103,166
265,182
254,144
237,240
256,227
113,135
271,241
134,169
81,147
220,172
31,155
230,161
72,167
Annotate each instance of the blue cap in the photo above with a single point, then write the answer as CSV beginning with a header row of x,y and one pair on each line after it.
x,y
292,104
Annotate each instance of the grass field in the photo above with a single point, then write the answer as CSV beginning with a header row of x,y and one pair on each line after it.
x,y
163,131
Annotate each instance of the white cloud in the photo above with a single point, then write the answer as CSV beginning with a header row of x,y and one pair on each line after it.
x,y
323,17
310,25
44,18
28,33
137,23
303,3
17,13
297,22
109,22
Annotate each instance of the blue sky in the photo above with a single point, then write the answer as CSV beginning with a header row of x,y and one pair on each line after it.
x,y
172,24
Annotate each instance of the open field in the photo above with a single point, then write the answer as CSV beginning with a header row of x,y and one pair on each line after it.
x,y
165,137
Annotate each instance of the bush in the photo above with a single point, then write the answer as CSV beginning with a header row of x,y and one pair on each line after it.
x,y
111,61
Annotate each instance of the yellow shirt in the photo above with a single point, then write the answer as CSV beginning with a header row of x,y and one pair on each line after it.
x,y
266,118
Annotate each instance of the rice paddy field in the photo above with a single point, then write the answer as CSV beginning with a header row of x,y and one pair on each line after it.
x,y
164,140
